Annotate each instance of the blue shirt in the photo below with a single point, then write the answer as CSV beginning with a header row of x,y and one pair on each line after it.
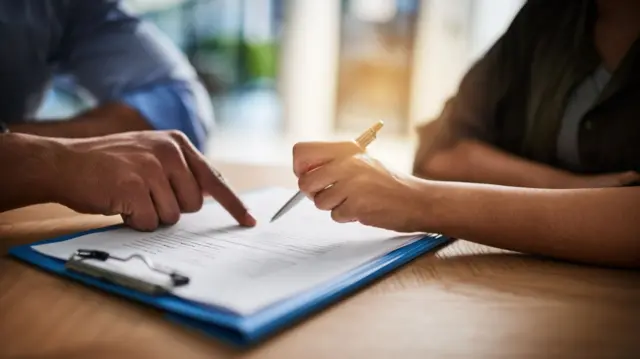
x,y
111,54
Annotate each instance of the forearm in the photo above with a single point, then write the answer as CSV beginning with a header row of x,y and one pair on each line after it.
x,y
600,226
472,161
29,164
116,57
104,120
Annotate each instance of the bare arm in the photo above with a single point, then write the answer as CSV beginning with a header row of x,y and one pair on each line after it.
x,y
28,163
104,120
475,161
138,78
599,226
457,146
147,177
461,144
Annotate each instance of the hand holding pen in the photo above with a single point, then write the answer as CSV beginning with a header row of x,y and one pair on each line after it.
x,y
355,187
361,144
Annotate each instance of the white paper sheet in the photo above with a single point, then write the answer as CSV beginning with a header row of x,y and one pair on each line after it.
x,y
240,269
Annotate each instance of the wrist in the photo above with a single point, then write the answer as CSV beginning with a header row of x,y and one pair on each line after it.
x,y
425,201
39,168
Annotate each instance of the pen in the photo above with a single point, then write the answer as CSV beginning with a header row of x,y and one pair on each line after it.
x,y
362,141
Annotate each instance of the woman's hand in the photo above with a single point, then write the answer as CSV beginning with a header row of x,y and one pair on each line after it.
x,y
604,180
342,179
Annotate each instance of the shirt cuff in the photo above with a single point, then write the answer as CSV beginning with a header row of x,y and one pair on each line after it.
x,y
171,107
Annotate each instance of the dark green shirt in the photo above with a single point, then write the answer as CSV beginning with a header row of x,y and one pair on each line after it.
x,y
515,97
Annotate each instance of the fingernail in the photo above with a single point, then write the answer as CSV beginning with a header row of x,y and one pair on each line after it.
x,y
249,220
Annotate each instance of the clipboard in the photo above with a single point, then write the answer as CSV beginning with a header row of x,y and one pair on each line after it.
x,y
232,328
80,262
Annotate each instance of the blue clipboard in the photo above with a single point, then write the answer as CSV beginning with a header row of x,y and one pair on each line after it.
x,y
241,331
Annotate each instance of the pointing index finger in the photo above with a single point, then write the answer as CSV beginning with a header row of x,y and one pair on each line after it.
x,y
212,183
217,187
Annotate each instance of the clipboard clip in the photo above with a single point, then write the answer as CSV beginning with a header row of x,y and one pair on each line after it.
x,y
80,261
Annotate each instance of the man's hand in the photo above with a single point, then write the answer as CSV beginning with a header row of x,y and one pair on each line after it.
x,y
149,178
354,187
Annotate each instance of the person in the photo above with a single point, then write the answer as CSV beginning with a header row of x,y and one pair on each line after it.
x,y
551,145
554,103
120,157
147,177
587,225
136,77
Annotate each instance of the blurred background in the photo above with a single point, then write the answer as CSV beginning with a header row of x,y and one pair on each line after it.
x,y
282,71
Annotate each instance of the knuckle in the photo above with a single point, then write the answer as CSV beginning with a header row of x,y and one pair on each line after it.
x,y
340,216
177,135
150,165
322,203
304,184
166,150
131,183
298,149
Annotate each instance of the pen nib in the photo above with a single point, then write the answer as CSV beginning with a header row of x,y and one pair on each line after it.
x,y
276,216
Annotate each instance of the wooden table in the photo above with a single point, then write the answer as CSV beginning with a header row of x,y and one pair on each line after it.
x,y
465,301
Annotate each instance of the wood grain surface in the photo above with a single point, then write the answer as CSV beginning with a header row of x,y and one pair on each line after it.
x,y
465,301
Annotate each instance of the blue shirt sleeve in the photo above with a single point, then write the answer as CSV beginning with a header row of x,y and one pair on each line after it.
x,y
170,107
117,57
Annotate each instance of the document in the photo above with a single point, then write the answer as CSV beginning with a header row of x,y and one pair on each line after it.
x,y
243,270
